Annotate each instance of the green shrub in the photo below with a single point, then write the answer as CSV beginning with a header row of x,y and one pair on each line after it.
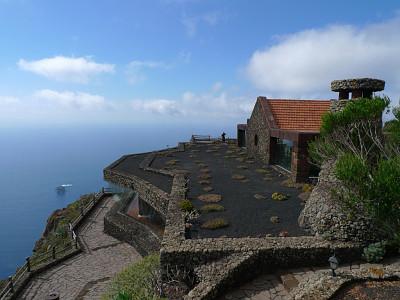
x,y
279,197
262,171
204,176
212,207
204,182
307,188
274,219
135,281
215,224
202,165
186,205
374,252
211,198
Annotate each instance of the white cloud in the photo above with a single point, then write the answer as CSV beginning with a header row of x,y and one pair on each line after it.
x,y
306,62
134,69
157,106
66,69
73,100
5,100
209,18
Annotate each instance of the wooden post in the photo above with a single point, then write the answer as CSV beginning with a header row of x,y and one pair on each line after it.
x,y
28,264
10,284
54,252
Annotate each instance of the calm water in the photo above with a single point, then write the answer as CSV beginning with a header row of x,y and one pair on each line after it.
x,y
34,161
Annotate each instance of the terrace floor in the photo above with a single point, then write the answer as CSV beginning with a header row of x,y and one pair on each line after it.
x,y
249,207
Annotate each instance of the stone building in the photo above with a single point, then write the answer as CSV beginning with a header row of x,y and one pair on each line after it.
x,y
278,132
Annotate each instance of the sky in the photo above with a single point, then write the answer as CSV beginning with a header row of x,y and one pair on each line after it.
x,y
185,61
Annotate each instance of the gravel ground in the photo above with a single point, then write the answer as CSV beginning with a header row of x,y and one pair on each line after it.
x,y
247,216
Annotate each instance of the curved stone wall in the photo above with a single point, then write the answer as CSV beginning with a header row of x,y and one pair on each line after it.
x,y
348,85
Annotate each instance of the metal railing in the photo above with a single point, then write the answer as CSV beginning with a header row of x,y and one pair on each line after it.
x,y
202,138
55,251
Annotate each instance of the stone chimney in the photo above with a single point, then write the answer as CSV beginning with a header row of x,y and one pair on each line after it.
x,y
360,87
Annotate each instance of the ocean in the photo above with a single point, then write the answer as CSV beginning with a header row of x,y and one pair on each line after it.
x,y
35,160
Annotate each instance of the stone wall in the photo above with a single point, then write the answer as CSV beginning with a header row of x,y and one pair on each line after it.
x,y
128,230
321,215
257,126
154,196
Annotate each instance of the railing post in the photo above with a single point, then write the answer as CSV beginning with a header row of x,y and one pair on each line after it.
x,y
28,264
54,252
10,284
81,208
94,199
76,242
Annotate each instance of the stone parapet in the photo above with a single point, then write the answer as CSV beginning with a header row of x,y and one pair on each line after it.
x,y
148,192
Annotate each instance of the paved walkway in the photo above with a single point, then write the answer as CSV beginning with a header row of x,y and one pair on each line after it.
x,y
85,276
277,286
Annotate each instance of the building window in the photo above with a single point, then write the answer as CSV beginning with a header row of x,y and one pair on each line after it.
x,y
256,140
283,155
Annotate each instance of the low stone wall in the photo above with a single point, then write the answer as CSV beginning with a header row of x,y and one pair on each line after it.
x,y
128,230
148,192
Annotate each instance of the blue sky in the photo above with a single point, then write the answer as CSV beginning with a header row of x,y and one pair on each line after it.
x,y
178,61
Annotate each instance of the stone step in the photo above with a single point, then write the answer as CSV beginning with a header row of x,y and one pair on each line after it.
x,y
288,280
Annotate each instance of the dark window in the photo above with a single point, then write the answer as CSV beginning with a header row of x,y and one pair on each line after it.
x,y
283,155
256,140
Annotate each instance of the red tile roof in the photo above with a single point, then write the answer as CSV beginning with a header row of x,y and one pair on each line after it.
x,y
298,114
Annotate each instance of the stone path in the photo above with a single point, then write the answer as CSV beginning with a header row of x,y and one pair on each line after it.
x,y
85,276
277,286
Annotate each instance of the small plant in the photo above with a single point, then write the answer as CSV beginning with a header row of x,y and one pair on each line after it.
x,y
211,150
190,215
204,176
210,198
259,197
196,161
245,180
250,157
240,159
279,197
250,161
208,189
327,235
237,176
307,188
202,165
283,233
242,167
262,171
186,205
267,179
274,219
374,252
194,150
205,170
182,192
172,162
230,152
215,224
265,167
204,182
212,207
192,155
